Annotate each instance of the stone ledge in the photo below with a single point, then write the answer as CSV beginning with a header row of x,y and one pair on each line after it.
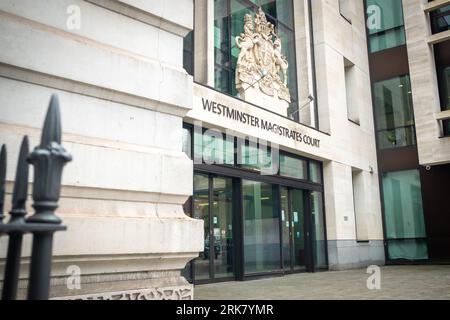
x,y
140,14
434,5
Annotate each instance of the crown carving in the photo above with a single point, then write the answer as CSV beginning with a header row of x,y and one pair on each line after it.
x,y
264,27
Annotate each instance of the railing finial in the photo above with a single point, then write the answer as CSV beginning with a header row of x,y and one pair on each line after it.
x,y
52,125
48,160
20,192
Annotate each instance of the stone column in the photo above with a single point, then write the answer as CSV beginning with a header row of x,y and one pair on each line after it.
x,y
204,42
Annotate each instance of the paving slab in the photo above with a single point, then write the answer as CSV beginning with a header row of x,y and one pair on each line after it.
x,y
396,283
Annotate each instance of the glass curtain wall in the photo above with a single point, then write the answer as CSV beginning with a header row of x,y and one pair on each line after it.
x,y
386,25
215,200
394,115
229,23
405,226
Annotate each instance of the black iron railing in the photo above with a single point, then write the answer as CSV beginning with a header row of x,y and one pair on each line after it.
x,y
48,160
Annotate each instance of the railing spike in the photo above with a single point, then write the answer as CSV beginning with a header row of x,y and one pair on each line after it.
x,y
52,125
20,192
48,160
2,181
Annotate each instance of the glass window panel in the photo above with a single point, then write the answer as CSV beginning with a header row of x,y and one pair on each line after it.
x,y
285,12
318,230
201,211
213,150
405,226
403,205
389,39
256,158
409,249
261,227
315,174
187,142
440,19
222,213
288,50
394,113
391,14
278,9
293,167
298,229
293,111
390,33
238,12
222,80
285,227
221,33
444,87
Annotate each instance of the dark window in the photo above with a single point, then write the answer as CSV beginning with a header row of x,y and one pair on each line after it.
x,y
440,19
188,53
442,58
444,87
394,116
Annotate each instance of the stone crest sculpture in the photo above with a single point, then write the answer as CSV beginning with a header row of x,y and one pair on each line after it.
x,y
260,61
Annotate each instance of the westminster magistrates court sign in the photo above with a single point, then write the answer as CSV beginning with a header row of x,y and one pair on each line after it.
x,y
257,122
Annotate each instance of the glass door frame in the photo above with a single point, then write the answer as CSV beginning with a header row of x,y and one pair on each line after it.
x,y
238,174
211,253
307,230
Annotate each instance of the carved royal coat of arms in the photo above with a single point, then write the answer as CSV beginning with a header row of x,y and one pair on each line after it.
x,y
260,59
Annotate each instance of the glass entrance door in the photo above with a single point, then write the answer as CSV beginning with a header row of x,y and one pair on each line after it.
x,y
201,211
294,229
213,203
222,227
